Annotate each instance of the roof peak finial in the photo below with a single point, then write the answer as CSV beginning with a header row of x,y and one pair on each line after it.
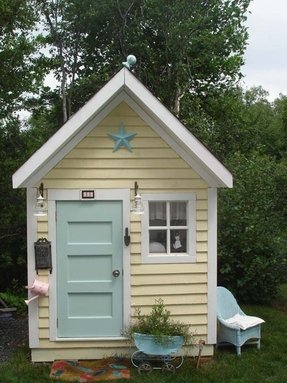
x,y
131,60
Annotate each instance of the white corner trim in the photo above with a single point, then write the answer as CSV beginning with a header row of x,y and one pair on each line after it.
x,y
33,311
212,266
74,195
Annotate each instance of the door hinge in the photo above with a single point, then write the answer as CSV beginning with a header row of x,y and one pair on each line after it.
x,y
57,322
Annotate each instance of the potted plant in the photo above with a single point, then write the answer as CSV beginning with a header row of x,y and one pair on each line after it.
x,y
157,333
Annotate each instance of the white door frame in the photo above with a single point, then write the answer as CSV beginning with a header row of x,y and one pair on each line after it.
x,y
75,195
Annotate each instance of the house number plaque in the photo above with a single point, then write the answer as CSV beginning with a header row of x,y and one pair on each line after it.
x,y
43,257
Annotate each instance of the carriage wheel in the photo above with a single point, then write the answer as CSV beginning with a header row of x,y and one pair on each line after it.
x,y
168,367
137,358
145,367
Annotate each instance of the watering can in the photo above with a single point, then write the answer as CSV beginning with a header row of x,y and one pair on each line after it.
x,y
38,288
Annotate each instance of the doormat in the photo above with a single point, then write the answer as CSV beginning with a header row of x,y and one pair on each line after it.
x,y
90,370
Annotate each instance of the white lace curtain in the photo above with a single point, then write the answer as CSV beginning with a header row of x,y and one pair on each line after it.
x,y
157,210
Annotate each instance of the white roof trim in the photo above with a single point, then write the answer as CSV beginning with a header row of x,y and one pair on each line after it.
x,y
123,86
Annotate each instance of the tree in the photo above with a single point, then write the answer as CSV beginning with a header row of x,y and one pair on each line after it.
x,y
252,230
13,151
21,73
252,216
21,70
183,48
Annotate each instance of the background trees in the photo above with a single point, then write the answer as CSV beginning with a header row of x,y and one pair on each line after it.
x,y
189,54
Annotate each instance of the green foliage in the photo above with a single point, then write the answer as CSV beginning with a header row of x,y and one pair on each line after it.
x,y
159,324
13,151
248,134
252,230
16,301
22,65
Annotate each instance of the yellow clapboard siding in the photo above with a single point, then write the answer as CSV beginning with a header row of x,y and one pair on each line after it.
x,y
135,237
201,215
136,259
201,247
43,323
176,299
170,280
42,226
43,302
201,257
198,320
167,269
125,163
129,121
195,309
178,290
201,236
135,227
43,312
201,225
123,109
42,274
104,128
123,153
199,330
43,333
201,204
107,142
124,184
201,194
118,173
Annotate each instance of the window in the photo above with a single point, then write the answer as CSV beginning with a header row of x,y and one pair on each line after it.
x,y
168,228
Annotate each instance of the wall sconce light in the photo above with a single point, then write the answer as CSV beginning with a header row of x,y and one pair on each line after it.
x,y
40,209
137,205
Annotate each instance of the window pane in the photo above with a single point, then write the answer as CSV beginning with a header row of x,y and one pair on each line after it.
x,y
157,241
157,213
178,241
178,213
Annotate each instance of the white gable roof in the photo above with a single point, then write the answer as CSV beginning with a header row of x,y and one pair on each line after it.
x,y
124,86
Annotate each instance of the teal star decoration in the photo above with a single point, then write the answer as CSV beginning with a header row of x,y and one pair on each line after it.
x,y
122,138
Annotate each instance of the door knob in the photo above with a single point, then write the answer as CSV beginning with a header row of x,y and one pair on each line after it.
x,y
116,273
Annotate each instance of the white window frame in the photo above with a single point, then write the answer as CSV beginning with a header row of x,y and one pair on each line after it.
x,y
188,257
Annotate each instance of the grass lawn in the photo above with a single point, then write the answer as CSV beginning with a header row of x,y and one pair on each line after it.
x,y
264,366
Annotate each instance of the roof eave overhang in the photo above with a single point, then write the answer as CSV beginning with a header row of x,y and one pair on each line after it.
x,y
206,164
123,86
30,172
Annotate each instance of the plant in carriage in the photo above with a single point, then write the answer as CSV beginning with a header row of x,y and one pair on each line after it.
x,y
157,332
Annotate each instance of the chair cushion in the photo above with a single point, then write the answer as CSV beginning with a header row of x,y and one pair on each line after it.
x,y
244,321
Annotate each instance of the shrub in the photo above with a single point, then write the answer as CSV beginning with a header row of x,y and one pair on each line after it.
x,y
158,323
252,230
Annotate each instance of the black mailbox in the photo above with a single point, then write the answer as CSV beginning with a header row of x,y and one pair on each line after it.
x,y
43,258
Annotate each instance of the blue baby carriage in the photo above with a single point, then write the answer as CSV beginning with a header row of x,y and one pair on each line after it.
x,y
153,353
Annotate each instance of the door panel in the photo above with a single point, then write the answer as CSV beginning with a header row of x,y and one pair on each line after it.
x,y
89,248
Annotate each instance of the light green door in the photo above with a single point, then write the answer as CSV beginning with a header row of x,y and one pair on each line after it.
x,y
89,268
